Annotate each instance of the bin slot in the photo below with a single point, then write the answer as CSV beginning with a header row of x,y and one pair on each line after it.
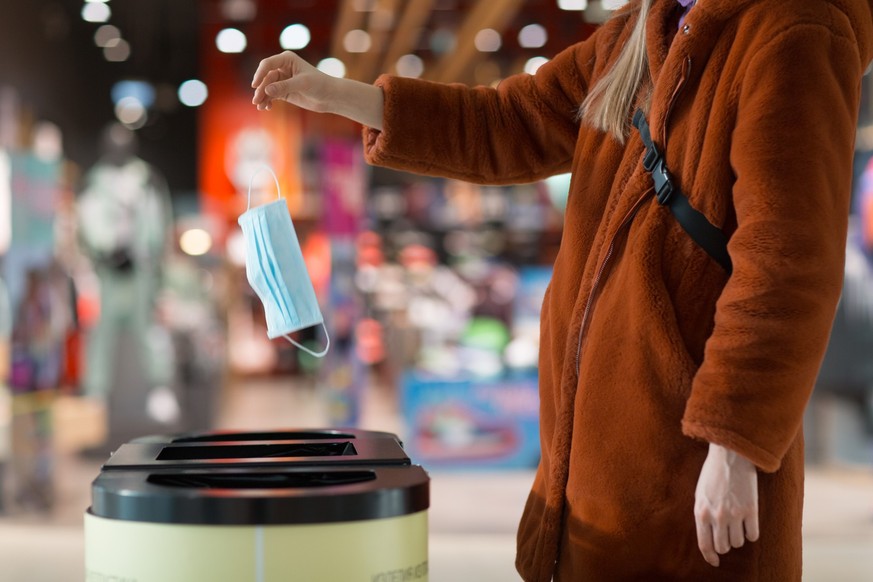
x,y
265,436
261,480
279,450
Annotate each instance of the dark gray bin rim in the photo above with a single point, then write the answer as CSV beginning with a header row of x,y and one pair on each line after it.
x,y
372,492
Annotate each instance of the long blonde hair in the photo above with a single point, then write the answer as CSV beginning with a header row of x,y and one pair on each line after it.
x,y
607,104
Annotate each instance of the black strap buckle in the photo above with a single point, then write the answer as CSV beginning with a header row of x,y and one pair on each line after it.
x,y
664,188
652,157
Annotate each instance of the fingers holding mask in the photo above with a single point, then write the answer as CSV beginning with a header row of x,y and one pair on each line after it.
x,y
271,70
269,65
261,98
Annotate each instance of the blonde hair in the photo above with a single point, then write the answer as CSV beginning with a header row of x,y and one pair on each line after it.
x,y
608,103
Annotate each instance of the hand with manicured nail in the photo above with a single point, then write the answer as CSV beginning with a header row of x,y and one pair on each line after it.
x,y
726,503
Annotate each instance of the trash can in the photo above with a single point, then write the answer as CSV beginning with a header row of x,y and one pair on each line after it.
x,y
259,522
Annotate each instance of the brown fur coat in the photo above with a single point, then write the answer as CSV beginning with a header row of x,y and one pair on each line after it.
x,y
649,350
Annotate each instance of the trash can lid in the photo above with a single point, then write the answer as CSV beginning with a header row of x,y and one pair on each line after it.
x,y
261,496
252,453
282,434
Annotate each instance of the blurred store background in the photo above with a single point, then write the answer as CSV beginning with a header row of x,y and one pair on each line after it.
x,y
127,140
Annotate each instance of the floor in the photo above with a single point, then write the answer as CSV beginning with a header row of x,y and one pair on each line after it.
x,y
470,540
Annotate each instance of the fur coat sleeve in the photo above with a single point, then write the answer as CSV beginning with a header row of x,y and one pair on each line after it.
x,y
521,131
773,317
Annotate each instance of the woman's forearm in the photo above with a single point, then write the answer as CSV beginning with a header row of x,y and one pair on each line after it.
x,y
359,102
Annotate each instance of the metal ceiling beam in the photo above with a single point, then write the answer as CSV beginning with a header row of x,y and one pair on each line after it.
x,y
407,32
348,19
496,14
380,26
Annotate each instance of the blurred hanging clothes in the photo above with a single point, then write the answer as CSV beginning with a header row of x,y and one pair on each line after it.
x,y
124,220
863,235
39,329
38,333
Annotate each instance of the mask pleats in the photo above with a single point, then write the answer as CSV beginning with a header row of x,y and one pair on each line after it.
x,y
269,266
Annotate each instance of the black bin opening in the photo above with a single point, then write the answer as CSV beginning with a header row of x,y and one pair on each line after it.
x,y
283,450
264,436
261,480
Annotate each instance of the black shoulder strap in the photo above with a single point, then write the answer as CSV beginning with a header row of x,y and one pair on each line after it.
x,y
701,231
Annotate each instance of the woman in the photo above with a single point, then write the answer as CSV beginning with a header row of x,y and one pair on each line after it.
x,y
672,387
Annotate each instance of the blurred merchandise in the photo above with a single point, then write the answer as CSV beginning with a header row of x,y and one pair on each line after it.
x,y
34,187
452,277
343,190
36,314
465,423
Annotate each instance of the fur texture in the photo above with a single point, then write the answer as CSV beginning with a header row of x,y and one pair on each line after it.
x,y
757,103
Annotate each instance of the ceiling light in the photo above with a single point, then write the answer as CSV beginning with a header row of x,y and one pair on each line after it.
x,y
143,91
131,112
195,242
333,67
193,93
231,40
47,142
117,52
532,36
107,35
488,40
572,4
239,10
532,65
442,41
96,12
410,66
357,41
295,37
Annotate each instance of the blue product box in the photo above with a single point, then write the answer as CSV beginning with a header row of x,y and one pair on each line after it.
x,y
471,423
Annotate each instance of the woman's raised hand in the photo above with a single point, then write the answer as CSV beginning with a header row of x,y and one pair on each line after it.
x,y
287,77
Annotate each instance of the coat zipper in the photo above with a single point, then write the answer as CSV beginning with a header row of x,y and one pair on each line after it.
x,y
594,287
686,71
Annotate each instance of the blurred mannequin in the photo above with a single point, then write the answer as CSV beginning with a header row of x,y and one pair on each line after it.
x,y
124,218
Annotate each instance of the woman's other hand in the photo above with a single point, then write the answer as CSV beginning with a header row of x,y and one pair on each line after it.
x,y
726,503
287,77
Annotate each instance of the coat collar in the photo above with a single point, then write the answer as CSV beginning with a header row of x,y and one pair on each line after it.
x,y
704,23
709,17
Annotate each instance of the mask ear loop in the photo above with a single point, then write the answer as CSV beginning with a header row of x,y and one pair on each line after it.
x,y
320,354
261,168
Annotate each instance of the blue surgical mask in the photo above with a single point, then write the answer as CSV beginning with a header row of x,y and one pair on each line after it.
x,y
276,270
